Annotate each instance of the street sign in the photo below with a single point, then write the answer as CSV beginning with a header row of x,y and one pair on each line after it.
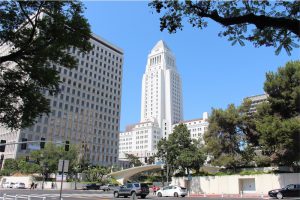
x,y
63,163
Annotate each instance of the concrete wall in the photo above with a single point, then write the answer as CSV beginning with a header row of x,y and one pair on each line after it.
x,y
24,179
66,185
47,184
233,184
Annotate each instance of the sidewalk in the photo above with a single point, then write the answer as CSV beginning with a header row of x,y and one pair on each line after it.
x,y
233,196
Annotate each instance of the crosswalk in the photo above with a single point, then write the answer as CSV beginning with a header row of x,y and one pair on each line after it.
x,y
79,196
65,196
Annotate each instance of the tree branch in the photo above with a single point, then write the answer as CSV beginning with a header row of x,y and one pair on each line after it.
x,y
260,21
13,56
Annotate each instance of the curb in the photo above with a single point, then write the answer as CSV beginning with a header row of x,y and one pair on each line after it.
x,y
234,196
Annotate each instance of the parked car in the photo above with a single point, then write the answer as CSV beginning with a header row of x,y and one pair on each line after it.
x,y
19,185
107,187
91,186
8,185
172,191
132,189
291,190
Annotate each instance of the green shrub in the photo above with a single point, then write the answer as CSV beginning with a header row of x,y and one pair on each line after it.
x,y
6,172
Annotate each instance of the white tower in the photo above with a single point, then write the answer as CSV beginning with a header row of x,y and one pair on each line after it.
x,y
161,89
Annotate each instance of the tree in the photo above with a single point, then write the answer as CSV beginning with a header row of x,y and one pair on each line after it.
x,y
51,154
279,139
28,167
96,173
272,23
35,36
180,151
151,159
10,164
20,165
231,133
133,160
278,120
283,88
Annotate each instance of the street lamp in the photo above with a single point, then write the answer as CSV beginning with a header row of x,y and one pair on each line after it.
x,y
43,169
162,174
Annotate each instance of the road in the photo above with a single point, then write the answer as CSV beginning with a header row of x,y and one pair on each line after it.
x,y
89,195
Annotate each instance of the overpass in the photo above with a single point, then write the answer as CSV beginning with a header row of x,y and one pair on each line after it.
x,y
123,175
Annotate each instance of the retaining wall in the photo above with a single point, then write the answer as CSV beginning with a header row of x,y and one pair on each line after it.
x,y
234,184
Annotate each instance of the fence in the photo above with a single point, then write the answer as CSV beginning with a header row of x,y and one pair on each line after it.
x,y
19,197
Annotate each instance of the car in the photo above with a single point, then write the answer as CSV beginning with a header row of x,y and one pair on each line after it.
x,y
107,187
132,189
172,191
91,186
8,185
19,185
291,190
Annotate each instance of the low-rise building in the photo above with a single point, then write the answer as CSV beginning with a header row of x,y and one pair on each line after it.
x,y
140,139
197,127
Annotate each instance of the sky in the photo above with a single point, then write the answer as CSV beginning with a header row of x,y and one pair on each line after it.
x,y
214,73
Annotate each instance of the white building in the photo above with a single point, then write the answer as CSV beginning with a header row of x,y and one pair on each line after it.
x,y
161,104
140,139
161,89
197,127
86,112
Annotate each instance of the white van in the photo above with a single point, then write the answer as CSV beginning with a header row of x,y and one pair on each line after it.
x,y
8,185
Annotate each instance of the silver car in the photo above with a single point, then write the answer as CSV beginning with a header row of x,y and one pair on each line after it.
x,y
172,191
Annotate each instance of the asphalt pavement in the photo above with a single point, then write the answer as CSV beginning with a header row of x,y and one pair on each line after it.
x,y
96,195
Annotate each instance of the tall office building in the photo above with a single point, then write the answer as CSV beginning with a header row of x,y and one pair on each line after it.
x,y
161,89
86,112
161,104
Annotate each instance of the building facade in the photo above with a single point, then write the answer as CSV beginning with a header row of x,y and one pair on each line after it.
x,y
86,111
161,89
196,127
140,139
161,104
256,100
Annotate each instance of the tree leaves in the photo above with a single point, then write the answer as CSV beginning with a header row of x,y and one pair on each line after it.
x,y
274,131
179,151
35,41
133,160
263,23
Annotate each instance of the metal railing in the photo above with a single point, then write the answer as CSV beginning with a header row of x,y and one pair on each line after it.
x,y
19,197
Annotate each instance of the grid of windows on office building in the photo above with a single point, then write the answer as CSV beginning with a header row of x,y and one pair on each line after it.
x,y
86,111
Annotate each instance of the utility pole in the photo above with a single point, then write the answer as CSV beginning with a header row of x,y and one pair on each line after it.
x,y
63,166
62,179
167,173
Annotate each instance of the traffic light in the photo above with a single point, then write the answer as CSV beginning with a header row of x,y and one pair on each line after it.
x,y
2,147
67,145
146,159
24,145
27,158
42,143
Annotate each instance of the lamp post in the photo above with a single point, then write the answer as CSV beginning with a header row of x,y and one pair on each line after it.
x,y
42,165
167,172
162,174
